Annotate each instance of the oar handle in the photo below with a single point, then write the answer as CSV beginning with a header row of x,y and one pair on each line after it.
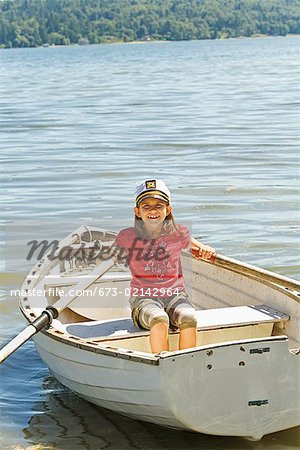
x,y
99,270
52,312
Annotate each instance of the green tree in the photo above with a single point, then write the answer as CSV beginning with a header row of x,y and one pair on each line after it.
x,y
34,22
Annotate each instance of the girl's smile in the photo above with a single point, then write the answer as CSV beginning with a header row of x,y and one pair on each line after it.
x,y
153,212
152,217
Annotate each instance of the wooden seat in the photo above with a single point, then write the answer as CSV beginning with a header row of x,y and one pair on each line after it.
x,y
236,323
248,321
238,316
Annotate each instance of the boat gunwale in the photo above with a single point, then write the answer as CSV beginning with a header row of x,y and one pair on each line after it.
x,y
282,289
152,359
97,346
222,261
274,280
248,271
94,347
271,279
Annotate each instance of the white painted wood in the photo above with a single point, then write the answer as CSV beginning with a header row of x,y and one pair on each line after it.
x,y
250,321
246,355
213,389
238,316
83,284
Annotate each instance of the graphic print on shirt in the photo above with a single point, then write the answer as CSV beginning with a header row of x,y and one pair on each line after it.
x,y
158,267
154,263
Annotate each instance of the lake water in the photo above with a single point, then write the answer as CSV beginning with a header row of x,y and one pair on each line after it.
x,y
80,126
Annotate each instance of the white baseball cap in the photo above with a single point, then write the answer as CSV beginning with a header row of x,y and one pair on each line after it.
x,y
152,188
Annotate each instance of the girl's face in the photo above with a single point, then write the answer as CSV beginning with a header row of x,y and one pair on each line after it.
x,y
153,211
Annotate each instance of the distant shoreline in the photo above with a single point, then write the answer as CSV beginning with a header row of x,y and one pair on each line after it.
x,y
36,23
156,41
165,41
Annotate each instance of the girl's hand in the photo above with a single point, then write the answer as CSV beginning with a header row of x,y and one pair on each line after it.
x,y
204,252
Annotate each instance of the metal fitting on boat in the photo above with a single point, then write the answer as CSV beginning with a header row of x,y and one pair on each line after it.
x,y
53,312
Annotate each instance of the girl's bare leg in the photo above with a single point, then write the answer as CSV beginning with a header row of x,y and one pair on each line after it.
x,y
159,337
187,338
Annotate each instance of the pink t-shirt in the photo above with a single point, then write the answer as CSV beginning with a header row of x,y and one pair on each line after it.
x,y
155,263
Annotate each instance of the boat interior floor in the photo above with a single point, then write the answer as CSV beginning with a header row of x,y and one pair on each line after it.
x,y
213,326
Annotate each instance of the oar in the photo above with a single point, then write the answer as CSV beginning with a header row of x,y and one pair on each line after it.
x,y
52,312
252,271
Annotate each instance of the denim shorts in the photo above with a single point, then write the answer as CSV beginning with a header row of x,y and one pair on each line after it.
x,y
175,310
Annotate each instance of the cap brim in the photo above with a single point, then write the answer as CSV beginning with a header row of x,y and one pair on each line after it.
x,y
160,197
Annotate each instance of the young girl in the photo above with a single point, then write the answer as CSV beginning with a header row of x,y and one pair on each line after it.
x,y
153,247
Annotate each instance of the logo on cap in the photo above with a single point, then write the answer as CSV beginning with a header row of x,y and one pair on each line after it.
x,y
152,188
151,184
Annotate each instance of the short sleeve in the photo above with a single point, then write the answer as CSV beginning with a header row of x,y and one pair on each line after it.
x,y
124,238
185,236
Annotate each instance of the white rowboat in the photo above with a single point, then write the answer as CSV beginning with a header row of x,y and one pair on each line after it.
x,y
242,378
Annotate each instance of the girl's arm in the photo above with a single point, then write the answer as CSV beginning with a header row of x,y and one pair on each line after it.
x,y
202,251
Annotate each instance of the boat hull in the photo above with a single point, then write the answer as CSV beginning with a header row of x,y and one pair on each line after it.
x,y
230,389
234,383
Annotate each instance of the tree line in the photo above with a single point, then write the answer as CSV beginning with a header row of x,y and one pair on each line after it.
x,y
32,23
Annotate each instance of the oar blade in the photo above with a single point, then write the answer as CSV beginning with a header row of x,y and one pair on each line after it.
x,y
51,312
15,343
